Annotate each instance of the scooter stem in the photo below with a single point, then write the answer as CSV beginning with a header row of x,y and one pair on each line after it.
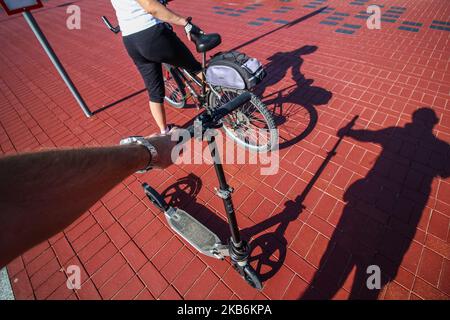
x,y
224,192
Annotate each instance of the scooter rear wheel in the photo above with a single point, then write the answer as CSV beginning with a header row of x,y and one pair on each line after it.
x,y
155,197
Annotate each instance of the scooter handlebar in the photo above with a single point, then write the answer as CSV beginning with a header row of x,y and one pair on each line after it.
x,y
221,112
231,106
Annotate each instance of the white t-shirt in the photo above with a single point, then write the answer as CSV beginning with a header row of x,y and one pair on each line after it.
x,y
132,17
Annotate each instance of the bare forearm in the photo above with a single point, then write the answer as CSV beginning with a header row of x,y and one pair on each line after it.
x,y
42,193
160,12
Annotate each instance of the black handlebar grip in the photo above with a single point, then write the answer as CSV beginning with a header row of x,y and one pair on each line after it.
x,y
231,106
106,21
109,25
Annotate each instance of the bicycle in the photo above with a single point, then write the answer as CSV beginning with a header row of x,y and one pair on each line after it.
x,y
252,125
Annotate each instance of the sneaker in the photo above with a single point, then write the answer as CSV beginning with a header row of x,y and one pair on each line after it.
x,y
169,129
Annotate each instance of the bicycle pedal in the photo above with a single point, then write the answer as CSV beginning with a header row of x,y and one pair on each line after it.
x,y
194,232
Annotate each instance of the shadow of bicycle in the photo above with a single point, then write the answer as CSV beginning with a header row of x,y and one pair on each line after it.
x,y
293,106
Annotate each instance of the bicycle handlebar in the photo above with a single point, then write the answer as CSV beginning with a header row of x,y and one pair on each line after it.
x,y
109,25
196,32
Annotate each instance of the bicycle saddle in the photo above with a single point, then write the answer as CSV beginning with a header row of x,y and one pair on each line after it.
x,y
206,42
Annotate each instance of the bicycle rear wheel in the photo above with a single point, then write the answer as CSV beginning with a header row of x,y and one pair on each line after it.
x,y
175,92
251,125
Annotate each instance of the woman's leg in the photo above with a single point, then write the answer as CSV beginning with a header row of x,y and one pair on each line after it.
x,y
151,47
152,74
159,114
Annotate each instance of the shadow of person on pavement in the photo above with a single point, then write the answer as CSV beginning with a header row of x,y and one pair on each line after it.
x,y
293,105
383,209
269,249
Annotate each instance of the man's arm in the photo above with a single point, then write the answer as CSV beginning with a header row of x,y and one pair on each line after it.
x,y
159,11
42,193
365,135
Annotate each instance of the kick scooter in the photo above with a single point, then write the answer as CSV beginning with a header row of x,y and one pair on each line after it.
x,y
190,229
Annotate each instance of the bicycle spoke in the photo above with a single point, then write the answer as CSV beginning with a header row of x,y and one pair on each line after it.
x,y
246,124
256,134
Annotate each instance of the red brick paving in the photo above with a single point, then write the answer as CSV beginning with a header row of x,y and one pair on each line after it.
x,y
123,245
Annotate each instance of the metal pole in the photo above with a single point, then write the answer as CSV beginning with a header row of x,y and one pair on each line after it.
x,y
59,67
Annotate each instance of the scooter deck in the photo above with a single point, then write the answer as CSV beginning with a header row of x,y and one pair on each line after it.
x,y
199,236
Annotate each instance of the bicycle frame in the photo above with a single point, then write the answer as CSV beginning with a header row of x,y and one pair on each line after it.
x,y
188,78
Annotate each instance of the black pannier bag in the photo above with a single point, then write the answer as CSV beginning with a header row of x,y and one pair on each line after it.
x,y
235,70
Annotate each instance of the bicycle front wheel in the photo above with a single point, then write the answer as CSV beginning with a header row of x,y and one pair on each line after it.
x,y
174,87
251,125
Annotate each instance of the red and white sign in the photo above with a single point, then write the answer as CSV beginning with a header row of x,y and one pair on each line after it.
x,y
18,6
